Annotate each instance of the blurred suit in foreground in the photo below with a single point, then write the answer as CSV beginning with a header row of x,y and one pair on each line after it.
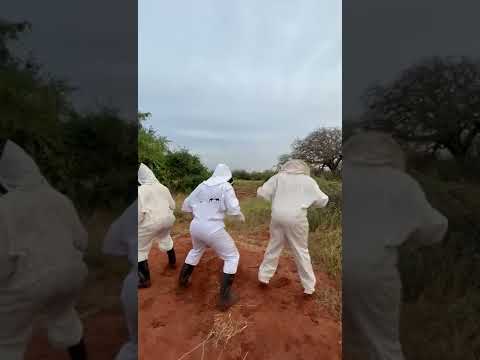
x,y
122,240
383,208
42,271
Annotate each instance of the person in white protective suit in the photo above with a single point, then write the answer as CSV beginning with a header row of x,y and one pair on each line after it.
x,y
384,207
155,220
42,271
292,191
209,203
122,240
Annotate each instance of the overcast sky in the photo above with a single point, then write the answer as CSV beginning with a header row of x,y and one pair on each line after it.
x,y
91,44
238,81
382,38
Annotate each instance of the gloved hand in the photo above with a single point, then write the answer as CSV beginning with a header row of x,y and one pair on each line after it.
x,y
240,217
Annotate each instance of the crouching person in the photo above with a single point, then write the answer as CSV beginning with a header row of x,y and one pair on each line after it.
x,y
209,203
155,220
42,271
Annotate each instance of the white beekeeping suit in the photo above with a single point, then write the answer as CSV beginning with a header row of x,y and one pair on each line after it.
x,y
292,191
383,208
42,245
209,203
155,220
122,240
155,213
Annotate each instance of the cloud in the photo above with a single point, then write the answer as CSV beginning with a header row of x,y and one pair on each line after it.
x,y
244,74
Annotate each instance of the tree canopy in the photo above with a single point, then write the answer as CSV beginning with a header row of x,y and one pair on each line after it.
x,y
321,148
179,170
435,103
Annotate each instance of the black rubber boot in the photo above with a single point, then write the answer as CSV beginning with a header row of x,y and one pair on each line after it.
x,y
185,274
172,258
227,298
79,351
143,274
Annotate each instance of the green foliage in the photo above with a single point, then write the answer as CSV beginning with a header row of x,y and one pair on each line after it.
x,y
441,282
105,179
330,216
179,170
435,102
89,157
152,151
186,171
254,175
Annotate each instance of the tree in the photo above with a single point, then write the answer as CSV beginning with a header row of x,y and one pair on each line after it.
x,y
88,157
321,148
282,159
435,104
180,170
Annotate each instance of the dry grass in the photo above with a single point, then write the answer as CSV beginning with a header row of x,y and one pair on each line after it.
x,y
325,246
224,328
330,299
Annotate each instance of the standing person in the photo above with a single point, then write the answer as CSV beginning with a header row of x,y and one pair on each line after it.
x,y
292,191
122,240
42,271
209,203
384,207
155,220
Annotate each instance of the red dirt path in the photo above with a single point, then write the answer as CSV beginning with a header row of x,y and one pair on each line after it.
x,y
281,324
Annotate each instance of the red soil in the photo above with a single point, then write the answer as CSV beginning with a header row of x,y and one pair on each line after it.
x,y
281,324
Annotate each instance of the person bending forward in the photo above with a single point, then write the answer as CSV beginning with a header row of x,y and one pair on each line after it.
x,y
209,203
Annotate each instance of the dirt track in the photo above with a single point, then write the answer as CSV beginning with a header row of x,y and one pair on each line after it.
x,y
280,325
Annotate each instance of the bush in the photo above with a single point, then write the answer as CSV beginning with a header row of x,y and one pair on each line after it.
x,y
180,171
254,175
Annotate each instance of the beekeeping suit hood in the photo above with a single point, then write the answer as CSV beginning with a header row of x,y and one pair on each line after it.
x,y
221,175
295,167
42,244
372,148
146,176
18,171
32,202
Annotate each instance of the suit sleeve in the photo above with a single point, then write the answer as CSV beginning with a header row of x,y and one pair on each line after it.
x,y
267,190
171,201
320,198
432,226
231,202
188,202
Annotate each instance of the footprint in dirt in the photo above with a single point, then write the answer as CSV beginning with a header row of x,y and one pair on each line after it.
x,y
147,303
246,312
168,271
157,323
282,282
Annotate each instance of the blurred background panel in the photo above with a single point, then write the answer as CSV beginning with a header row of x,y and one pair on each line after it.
x,y
68,98
412,71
